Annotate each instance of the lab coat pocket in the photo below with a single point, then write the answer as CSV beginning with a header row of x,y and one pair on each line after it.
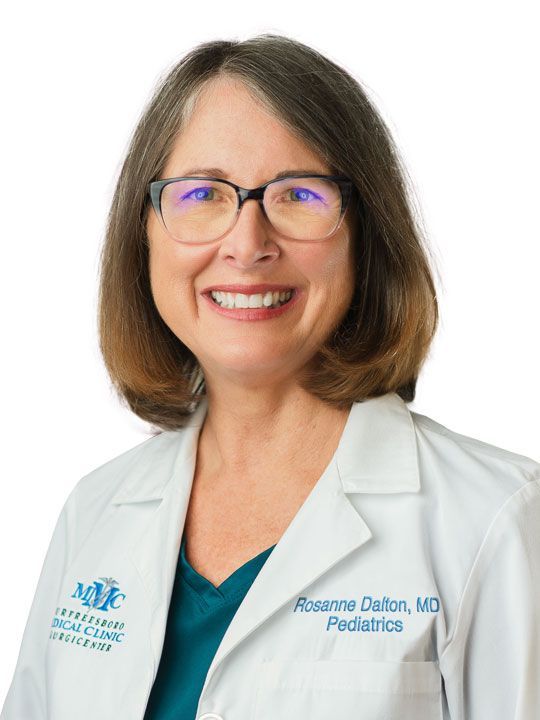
x,y
363,690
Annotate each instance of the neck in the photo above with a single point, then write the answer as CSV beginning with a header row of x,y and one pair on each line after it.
x,y
268,437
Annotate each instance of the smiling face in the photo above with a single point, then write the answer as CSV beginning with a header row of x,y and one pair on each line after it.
x,y
229,129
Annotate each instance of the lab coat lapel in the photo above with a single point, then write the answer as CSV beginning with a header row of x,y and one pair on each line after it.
x,y
325,530
376,453
167,478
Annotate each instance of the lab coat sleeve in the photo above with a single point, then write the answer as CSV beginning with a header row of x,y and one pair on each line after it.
x,y
491,667
27,697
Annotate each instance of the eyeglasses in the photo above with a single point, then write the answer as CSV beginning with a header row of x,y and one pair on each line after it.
x,y
197,210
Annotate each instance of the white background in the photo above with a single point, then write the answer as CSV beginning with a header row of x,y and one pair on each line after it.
x,y
458,86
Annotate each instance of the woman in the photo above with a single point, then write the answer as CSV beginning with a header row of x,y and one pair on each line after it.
x,y
293,541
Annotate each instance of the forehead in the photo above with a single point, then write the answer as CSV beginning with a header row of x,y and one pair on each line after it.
x,y
232,130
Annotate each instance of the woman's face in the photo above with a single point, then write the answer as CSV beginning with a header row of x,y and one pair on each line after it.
x,y
230,130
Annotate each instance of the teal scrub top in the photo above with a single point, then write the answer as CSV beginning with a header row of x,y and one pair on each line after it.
x,y
199,615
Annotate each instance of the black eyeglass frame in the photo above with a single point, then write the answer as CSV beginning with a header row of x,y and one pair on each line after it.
x,y
346,187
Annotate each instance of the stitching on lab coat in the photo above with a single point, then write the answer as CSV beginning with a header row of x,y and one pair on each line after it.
x,y
71,508
70,511
63,519
502,512
146,601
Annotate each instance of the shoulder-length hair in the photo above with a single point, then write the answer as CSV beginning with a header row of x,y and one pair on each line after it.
x,y
385,335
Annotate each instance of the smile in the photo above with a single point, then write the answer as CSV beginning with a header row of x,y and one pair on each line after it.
x,y
257,300
255,306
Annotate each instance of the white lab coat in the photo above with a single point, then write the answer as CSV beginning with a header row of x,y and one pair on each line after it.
x,y
407,586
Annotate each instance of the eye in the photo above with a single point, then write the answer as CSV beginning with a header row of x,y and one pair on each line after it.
x,y
302,195
198,194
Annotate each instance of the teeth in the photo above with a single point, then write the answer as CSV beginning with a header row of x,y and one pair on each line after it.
x,y
239,300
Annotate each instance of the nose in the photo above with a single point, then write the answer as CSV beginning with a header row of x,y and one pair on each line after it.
x,y
252,239
252,213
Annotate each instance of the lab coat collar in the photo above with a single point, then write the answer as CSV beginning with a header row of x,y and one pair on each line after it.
x,y
376,453
151,473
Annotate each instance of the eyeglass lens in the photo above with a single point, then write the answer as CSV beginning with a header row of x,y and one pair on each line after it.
x,y
298,208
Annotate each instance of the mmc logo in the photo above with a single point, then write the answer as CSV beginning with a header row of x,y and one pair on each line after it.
x,y
103,594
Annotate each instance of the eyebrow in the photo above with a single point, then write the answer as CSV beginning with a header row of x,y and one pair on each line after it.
x,y
218,172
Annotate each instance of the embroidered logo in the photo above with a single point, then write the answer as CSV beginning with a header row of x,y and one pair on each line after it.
x,y
96,626
104,595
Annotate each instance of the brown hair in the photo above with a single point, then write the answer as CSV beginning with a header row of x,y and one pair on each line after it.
x,y
385,335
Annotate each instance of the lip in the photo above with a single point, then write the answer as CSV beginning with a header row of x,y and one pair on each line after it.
x,y
248,289
254,313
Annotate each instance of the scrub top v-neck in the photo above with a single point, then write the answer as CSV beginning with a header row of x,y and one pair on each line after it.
x,y
199,615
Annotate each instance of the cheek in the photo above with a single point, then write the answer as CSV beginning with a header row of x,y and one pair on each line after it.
x,y
156,261
342,269
173,268
173,292
161,269
174,271
328,268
